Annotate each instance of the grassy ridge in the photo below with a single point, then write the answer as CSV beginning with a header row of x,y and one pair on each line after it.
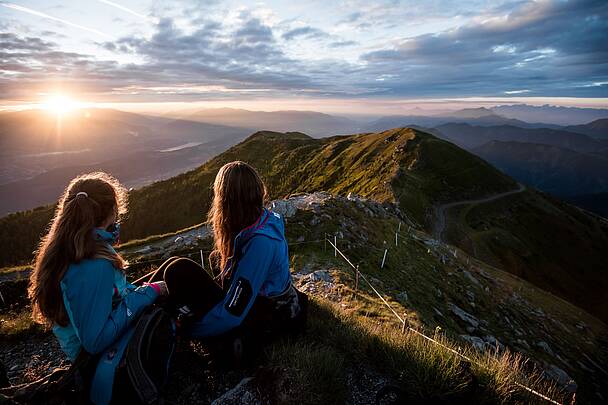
x,y
415,166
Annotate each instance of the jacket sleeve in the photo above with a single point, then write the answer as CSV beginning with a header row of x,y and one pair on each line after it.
x,y
250,274
88,300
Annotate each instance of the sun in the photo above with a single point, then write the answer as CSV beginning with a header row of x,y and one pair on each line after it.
x,y
60,104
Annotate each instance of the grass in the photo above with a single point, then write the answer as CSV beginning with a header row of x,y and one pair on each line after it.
x,y
14,269
340,345
511,233
18,324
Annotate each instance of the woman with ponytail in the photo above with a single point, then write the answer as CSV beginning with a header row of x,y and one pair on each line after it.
x,y
78,286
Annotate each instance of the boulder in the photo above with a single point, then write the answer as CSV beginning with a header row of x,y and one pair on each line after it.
x,y
243,393
477,343
464,316
545,346
402,296
320,275
561,377
470,277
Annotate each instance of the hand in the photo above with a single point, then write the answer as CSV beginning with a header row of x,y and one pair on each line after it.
x,y
160,287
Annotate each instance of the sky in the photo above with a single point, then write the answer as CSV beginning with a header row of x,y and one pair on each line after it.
x,y
354,56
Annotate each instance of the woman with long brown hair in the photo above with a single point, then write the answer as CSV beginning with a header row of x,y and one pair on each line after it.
x,y
252,287
78,286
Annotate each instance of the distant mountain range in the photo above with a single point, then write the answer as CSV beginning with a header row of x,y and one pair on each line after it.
x,y
559,171
557,115
470,136
597,129
38,156
565,163
314,123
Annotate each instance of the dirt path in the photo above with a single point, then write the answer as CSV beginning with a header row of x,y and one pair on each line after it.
x,y
440,222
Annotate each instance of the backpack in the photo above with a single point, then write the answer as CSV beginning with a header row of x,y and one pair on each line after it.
x,y
150,352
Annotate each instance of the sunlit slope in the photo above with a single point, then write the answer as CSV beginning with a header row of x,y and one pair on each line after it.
x,y
413,167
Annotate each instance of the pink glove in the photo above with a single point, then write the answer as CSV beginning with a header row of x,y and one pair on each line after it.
x,y
160,287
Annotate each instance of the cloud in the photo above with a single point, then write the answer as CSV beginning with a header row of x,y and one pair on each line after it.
x,y
342,44
306,32
543,46
546,48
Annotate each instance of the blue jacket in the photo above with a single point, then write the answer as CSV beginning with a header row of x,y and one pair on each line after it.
x,y
262,269
101,306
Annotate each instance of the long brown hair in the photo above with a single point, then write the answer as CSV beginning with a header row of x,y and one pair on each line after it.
x,y
88,201
238,200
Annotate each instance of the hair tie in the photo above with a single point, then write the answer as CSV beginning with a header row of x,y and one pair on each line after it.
x,y
81,193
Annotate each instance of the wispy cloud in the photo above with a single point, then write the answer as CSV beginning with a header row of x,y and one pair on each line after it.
x,y
153,20
50,17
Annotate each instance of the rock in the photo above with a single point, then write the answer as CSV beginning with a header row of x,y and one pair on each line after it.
x,y
464,316
476,342
545,346
539,312
562,378
471,296
243,393
492,343
320,275
402,296
145,249
284,207
470,277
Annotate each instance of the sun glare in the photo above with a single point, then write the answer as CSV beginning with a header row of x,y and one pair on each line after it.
x,y
60,104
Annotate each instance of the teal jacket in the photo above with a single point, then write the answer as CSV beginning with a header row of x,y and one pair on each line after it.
x,y
101,306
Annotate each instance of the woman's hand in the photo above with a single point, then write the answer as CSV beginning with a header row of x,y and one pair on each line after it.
x,y
160,287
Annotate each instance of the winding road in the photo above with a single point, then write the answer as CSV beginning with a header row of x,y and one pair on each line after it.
x,y
440,222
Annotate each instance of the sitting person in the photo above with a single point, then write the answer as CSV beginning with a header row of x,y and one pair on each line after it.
x,y
252,291
79,287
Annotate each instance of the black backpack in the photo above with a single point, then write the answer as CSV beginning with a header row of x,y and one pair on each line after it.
x,y
150,352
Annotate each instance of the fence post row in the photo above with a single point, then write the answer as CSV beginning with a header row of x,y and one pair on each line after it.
x,y
404,326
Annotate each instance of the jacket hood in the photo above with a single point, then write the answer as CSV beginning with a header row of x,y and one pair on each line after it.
x,y
270,224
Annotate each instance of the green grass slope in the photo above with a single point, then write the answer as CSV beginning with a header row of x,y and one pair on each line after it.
x,y
550,243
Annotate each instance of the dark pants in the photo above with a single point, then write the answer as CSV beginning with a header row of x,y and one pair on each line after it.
x,y
189,285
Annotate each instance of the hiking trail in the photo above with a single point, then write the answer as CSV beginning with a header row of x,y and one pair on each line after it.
x,y
440,222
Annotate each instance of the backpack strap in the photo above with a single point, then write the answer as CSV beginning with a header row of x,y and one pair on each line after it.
x,y
144,386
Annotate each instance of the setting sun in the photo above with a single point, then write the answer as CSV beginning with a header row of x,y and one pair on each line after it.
x,y
60,104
